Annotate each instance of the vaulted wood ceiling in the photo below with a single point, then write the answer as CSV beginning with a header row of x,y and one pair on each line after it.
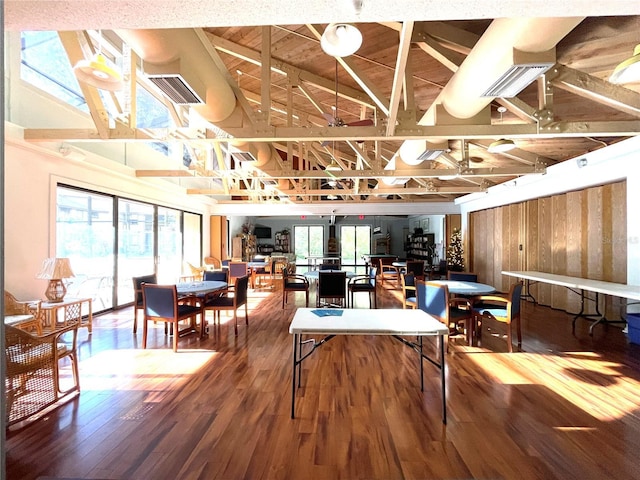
x,y
398,73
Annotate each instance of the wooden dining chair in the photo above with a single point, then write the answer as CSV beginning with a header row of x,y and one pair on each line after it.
x,y
501,308
416,267
138,303
462,276
364,283
237,270
388,271
408,290
161,304
293,283
433,298
230,301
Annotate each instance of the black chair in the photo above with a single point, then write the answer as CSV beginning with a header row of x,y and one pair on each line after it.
x,y
329,266
462,276
416,267
137,295
332,285
161,304
230,302
293,283
364,283
216,276
504,309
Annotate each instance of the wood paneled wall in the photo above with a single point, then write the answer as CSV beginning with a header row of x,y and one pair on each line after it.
x,y
582,234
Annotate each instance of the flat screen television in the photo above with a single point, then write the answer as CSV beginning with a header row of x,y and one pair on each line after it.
x,y
262,232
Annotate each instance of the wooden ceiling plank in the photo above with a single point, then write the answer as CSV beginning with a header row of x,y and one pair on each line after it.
x,y
593,88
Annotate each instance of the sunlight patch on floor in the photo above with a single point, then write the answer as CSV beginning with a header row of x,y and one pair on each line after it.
x,y
597,387
141,369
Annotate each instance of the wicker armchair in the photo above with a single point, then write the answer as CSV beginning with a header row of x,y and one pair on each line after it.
x,y
33,378
24,315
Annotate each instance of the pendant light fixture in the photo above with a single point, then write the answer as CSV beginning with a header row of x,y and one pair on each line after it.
x,y
341,40
98,72
627,71
504,144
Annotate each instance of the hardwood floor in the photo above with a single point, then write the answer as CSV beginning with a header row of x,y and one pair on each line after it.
x,y
566,407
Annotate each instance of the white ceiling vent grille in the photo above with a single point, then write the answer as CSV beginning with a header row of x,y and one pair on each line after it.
x,y
175,87
243,157
516,79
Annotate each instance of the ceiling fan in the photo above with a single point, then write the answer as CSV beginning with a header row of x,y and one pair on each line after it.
x,y
335,120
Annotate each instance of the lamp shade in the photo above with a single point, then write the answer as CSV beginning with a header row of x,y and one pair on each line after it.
x,y
97,72
54,270
341,40
333,167
629,70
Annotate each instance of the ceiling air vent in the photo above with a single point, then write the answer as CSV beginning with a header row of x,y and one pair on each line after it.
x,y
243,157
429,155
516,79
175,87
523,69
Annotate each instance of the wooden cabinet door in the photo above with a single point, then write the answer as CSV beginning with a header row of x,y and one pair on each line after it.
x,y
218,237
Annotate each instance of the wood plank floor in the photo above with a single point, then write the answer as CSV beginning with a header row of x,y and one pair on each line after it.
x,y
566,407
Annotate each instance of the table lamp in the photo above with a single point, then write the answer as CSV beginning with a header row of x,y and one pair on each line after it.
x,y
54,270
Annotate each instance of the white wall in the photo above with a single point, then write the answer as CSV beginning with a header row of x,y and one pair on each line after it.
x,y
31,175
616,162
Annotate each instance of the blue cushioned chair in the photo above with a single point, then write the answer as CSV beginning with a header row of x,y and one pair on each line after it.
x,y
230,302
504,309
434,299
161,304
408,290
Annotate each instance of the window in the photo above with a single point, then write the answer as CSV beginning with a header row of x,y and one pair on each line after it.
x,y
355,241
308,242
45,65
149,239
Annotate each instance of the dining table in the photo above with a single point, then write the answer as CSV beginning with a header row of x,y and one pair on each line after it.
x,y
200,288
467,289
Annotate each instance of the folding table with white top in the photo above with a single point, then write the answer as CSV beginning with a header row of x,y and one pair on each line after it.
x,y
397,323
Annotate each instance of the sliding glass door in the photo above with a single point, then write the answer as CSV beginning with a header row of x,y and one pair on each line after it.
x,y
136,245
85,235
355,241
106,253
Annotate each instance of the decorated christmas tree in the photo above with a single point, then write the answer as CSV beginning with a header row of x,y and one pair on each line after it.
x,y
455,260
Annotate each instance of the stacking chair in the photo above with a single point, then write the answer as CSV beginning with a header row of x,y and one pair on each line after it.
x,y
388,271
329,266
161,304
33,370
417,268
433,298
408,290
237,270
364,283
462,276
332,285
230,302
293,283
504,309
216,276
137,295
263,276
